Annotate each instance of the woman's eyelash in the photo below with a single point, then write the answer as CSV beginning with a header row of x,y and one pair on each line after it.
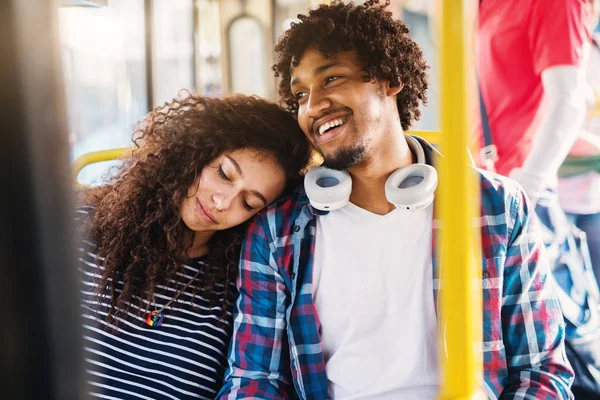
x,y
222,173
224,176
247,206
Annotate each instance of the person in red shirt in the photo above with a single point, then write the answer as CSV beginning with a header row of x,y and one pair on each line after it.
x,y
530,58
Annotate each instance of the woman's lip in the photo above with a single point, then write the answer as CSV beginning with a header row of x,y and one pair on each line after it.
x,y
203,213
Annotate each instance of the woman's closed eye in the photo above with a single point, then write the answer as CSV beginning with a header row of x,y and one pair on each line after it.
x,y
223,174
247,206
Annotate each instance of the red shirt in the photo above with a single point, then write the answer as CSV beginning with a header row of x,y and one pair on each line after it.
x,y
516,41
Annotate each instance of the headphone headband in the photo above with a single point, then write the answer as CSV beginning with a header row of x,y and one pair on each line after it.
x,y
410,188
417,148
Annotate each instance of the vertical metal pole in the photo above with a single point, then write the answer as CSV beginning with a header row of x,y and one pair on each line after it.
x,y
149,33
461,300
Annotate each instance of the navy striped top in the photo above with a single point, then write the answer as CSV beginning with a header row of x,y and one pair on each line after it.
x,y
184,358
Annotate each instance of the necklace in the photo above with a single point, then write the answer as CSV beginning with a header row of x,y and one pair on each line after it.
x,y
155,318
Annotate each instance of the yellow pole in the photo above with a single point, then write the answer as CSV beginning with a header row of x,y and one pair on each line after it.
x,y
458,200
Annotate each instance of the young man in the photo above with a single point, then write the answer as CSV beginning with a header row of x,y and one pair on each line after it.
x,y
342,304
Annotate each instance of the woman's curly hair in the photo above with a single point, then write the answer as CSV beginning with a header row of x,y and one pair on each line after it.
x,y
136,223
382,43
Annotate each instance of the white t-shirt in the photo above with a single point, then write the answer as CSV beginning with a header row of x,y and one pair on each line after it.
x,y
373,290
581,194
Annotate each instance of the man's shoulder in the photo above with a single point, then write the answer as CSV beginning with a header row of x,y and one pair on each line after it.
x,y
498,193
285,210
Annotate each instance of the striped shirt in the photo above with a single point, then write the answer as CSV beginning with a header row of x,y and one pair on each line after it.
x,y
184,358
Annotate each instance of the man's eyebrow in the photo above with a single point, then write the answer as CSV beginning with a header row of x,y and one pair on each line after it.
x,y
319,70
239,171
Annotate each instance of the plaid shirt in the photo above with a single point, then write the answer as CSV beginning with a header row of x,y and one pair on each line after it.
x,y
276,351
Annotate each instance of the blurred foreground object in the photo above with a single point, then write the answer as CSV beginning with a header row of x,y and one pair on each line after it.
x,y
41,354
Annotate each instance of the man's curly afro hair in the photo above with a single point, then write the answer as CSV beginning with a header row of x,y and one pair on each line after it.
x,y
383,45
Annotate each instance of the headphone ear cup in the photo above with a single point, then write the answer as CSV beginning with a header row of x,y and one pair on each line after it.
x,y
327,189
412,187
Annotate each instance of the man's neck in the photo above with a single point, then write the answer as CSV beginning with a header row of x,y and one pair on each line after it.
x,y
369,177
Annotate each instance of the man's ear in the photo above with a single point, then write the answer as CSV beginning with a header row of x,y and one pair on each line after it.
x,y
392,90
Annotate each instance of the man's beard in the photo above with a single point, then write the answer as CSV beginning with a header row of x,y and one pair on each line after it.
x,y
346,158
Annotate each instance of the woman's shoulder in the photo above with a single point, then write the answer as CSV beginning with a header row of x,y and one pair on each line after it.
x,y
83,211
80,216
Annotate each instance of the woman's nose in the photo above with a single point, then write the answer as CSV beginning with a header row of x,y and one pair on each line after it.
x,y
223,200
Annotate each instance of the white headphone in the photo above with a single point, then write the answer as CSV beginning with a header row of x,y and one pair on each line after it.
x,y
409,188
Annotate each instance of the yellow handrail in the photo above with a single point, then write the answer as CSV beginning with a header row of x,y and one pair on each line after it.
x,y
457,202
94,157
433,137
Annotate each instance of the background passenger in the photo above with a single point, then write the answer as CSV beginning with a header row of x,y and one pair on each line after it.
x,y
580,194
531,71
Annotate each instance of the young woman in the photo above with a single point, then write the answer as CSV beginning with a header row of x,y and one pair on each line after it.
x,y
163,238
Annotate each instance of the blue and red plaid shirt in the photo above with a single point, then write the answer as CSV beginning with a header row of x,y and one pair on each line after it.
x,y
276,351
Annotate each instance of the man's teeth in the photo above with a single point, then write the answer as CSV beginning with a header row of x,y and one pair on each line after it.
x,y
330,124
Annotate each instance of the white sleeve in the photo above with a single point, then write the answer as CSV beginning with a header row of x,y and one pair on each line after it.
x,y
563,112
